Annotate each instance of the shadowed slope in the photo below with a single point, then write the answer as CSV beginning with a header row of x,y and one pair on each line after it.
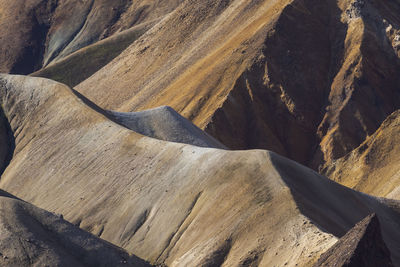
x,y
7,144
173,203
31,237
361,246
166,124
35,33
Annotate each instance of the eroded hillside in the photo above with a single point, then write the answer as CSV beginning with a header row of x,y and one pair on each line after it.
x,y
310,80
172,203
35,33
124,156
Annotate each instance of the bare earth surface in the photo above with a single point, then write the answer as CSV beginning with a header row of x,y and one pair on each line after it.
x,y
166,124
374,166
361,246
310,80
30,236
35,33
172,203
176,144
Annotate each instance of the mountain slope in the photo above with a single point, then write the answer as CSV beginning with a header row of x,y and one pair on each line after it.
x,y
310,80
298,77
173,203
34,237
35,33
372,167
361,246
81,64
166,124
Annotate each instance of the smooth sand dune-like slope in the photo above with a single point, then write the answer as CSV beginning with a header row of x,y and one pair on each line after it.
x,y
172,203
166,124
33,237
81,64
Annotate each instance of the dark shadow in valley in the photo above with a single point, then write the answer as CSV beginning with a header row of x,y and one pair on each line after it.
x,y
7,143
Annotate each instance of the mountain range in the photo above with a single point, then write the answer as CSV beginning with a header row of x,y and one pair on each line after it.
x,y
200,133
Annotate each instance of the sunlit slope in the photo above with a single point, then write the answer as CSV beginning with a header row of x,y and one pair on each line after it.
x,y
374,166
81,64
308,79
173,203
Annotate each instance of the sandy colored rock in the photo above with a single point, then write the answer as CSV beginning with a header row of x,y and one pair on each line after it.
x,y
172,203
81,64
372,167
308,79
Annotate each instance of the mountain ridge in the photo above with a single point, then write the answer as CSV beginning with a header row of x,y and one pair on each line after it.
x,y
128,201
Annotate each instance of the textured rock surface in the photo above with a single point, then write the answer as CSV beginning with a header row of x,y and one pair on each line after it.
x,y
33,237
308,79
34,33
172,203
315,81
361,246
374,166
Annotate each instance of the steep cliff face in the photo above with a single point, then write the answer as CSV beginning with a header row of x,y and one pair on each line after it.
x,y
329,75
276,103
189,60
35,33
81,64
367,91
310,80
315,81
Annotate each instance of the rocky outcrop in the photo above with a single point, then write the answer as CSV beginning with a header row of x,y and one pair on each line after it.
x,y
307,79
361,246
315,81
321,84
